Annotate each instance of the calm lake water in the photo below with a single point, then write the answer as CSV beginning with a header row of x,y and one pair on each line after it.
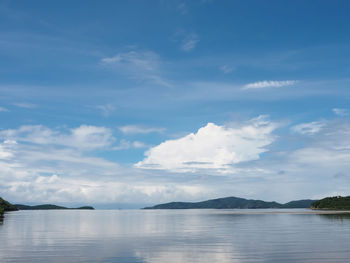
x,y
173,236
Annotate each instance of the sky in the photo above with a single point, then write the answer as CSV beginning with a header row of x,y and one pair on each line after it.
x,y
123,103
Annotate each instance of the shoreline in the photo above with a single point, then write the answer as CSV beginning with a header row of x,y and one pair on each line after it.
x,y
306,212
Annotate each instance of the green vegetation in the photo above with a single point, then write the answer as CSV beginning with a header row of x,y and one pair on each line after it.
x,y
232,203
49,207
6,206
306,203
85,208
39,207
332,203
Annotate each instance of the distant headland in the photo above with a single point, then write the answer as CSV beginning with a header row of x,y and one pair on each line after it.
x,y
233,203
332,203
6,206
328,203
49,207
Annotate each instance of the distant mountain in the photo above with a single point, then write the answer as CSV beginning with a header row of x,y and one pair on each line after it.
x,y
332,203
49,207
232,203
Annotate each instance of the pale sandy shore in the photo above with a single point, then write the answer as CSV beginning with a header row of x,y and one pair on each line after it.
x,y
291,212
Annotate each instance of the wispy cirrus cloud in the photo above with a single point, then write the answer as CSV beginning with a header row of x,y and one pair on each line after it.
x,y
125,145
2,109
269,84
106,109
341,112
308,128
227,69
25,105
182,8
189,42
139,129
330,150
140,65
83,138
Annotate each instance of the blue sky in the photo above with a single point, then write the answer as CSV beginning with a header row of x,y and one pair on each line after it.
x,y
155,101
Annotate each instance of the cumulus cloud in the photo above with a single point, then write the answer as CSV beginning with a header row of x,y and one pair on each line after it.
x,y
140,65
308,128
212,147
269,84
39,163
56,165
137,129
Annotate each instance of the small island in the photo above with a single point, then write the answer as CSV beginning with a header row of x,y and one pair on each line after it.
x,y
332,203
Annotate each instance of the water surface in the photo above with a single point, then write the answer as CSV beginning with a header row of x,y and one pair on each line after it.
x,y
168,236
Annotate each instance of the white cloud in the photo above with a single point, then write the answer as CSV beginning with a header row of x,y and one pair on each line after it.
x,y
90,137
44,173
146,60
322,156
227,69
189,42
137,129
138,144
106,109
46,165
38,163
140,65
5,149
2,109
213,147
327,154
125,145
308,128
83,137
269,84
25,105
341,112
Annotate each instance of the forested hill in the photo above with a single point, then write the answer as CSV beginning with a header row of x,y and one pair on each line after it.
x,y
333,203
6,206
49,207
233,202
